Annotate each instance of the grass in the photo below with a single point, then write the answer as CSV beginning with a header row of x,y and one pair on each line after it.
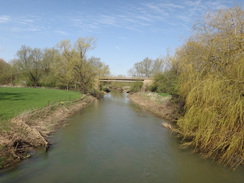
x,y
164,94
14,101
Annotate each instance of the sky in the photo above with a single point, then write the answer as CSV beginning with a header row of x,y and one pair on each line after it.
x,y
126,31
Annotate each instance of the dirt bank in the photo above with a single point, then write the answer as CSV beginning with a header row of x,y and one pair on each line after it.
x,y
158,105
32,129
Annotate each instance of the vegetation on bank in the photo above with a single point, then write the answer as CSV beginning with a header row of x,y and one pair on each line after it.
x,y
206,78
211,83
159,104
65,66
31,130
15,101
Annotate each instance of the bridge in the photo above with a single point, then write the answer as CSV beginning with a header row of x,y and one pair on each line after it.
x,y
146,81
115,79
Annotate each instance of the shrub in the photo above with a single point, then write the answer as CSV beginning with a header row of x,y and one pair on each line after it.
x,y
165,83
136,87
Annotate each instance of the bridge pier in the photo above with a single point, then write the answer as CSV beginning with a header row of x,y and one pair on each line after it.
x,y
146,84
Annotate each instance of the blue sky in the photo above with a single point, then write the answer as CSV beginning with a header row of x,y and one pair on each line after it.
x,y
126,31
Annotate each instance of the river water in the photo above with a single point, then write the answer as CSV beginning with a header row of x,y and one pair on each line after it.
x,y
113,141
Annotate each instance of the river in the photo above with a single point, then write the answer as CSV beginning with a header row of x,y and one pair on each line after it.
x,y
113,141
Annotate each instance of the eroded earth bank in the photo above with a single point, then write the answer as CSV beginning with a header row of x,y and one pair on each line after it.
x,y
31,130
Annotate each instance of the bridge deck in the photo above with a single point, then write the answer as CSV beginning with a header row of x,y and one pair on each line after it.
x,y
125,81
122,79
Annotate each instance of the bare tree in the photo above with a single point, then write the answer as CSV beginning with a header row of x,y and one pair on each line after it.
x,y
147,68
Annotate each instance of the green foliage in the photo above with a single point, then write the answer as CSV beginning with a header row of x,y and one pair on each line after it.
x,y
29,61
96,93
164,94
211,82
15,101
65,67
1,162
165,83
105,88
136,87
49,80
5,72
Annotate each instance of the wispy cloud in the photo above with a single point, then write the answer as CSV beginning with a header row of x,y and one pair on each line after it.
x,y
23,29
141,16
4,19
171,6
25,21
160,10
63,33
107,20
18,24
216,5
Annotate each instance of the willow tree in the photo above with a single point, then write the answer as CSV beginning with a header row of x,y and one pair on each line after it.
x,y
212,85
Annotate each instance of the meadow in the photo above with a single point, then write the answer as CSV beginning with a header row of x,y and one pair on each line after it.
x,y
14,101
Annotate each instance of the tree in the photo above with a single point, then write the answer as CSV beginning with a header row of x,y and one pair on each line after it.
x,y
74,69
101,69
211,81
49,78
165,82
29,62
63,64
83,70
5,72
147,68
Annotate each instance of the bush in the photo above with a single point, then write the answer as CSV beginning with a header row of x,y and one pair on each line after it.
x,y
165,83
136,87
95,93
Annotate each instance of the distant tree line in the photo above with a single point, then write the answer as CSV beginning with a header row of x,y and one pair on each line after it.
x,y
147,68
66,66
206,75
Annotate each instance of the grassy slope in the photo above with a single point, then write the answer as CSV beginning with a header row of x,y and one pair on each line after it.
x,y
14,101
159,104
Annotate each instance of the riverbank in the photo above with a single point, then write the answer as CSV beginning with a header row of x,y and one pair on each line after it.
x,y
161,106
31,130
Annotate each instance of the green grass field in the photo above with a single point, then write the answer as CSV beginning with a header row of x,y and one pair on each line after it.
x,y
14,101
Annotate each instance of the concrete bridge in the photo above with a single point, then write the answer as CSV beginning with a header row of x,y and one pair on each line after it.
x,y
115,79
146,81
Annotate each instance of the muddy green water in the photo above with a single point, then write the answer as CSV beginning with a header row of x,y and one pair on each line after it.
x,y
113,141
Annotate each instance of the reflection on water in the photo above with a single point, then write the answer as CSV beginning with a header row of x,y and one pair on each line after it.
x,y
113,141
